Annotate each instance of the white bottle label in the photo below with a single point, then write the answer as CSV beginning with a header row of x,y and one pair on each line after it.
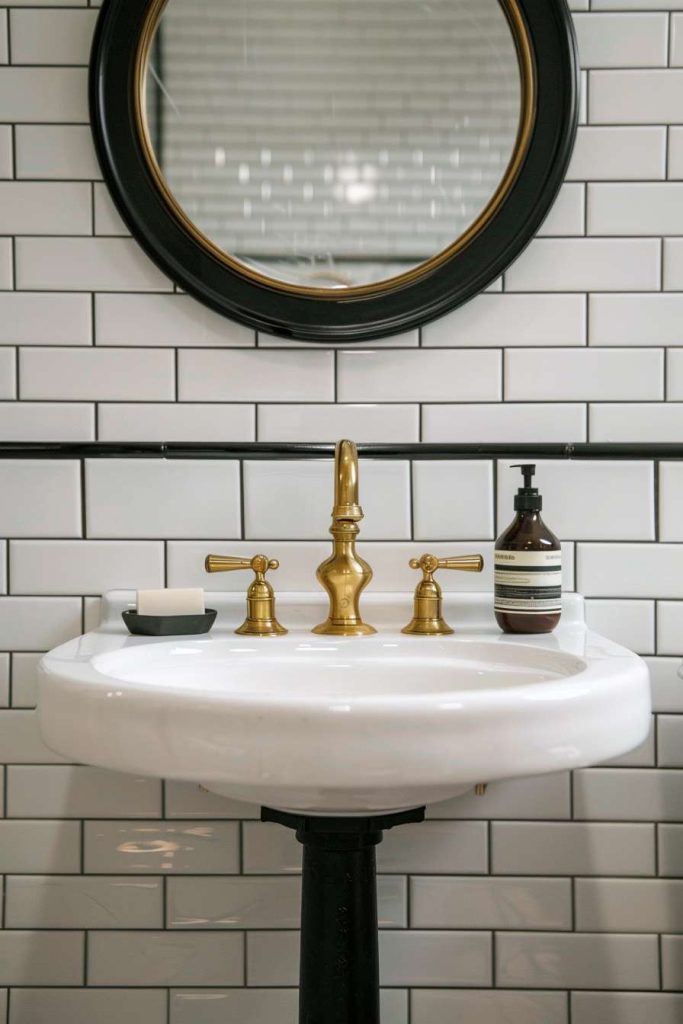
x,y
528,581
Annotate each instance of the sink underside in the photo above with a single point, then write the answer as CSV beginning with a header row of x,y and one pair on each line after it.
x,y
342,725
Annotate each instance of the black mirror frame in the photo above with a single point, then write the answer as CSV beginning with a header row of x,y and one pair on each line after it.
x,y
345,319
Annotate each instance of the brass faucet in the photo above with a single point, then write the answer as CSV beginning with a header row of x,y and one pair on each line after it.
x,y
344,574
428,617
260,620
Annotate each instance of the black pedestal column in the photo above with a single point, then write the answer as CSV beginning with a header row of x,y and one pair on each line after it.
x,y
339,974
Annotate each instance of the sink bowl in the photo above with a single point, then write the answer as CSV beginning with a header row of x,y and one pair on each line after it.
x,y
343,726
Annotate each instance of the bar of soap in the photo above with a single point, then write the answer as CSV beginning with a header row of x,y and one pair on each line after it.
x,y
171,602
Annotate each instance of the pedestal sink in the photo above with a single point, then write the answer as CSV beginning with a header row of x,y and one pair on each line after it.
x,y
342,737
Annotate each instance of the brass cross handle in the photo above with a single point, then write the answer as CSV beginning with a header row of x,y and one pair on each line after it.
x,y
428,617
261,619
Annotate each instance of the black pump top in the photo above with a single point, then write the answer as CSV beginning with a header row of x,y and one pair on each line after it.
x,y
527,498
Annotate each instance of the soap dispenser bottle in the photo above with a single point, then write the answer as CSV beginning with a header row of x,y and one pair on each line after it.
x,y
528,567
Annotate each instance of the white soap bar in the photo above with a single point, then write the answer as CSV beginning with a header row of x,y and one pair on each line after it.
x,y
171,602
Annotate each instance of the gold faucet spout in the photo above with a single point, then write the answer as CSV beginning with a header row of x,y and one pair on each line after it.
x,y
344,575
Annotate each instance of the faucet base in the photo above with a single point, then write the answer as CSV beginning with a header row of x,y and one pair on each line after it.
x,y
331,628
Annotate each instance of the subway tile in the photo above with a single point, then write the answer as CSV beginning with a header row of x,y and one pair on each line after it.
x,y
628,794
505,903
45,208
626,1008
85,567
107,220
206,375
670,741
85,264
51,37
45,319
40,421
273,506
20,739
105,374
6,262
673,264
367,423
676,40
44,95
426,958
636,422
670,504
619,153
515,423
577,961
674,368
52,847
622,40
622,502
162,958
507,319
178,422
8,373
629,905
47,151
179,498
433,846
48,901
593,374
630,623
572,848
666,684
264,902
487,1007
215,1006
423,375
25,680
40,498
670,850
646,208
38,623
536,797
672,962
567,214
636,319
6,151
298,563
670,627
675,161
57,791
586,264
643,5
4,680
452,499
635,96
161,848
167,320
189,800
413,958
630,570
41,958
87,1006
262,1006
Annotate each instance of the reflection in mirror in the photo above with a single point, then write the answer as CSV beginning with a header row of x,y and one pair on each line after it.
x,y
333,143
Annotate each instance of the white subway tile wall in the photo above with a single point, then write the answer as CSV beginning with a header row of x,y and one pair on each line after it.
x,y
540,902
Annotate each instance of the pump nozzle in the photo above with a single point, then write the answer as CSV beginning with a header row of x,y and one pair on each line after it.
x,y
527,498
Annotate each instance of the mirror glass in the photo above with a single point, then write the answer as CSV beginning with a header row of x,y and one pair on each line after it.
x,y
333,143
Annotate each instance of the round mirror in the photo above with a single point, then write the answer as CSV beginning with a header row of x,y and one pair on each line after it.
x,y
334,143
334,170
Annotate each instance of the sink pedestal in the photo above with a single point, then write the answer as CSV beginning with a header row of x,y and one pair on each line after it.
x,y
339,974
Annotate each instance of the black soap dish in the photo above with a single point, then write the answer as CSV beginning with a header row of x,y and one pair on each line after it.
x,y
169,625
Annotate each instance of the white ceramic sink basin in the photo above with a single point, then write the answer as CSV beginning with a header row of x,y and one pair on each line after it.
x,y
344,725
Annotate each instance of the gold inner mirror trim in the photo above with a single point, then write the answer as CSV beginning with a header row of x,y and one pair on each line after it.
x,y
526,125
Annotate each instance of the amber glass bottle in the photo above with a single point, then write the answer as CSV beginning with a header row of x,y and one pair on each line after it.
x,y
528,567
